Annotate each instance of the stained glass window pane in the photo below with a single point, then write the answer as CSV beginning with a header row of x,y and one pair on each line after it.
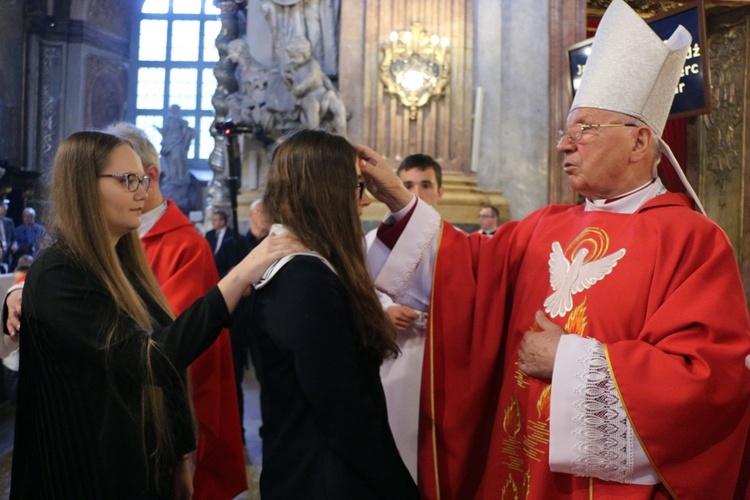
x,y
185,40
150,90
210,32
155,7
207,142
211,8
150,124
152,43
183,87
186,7
208,89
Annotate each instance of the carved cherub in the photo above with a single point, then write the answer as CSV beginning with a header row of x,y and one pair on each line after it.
x,y
313,90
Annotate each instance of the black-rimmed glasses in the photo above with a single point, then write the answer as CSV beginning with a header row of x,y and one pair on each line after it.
x,y
132,181
361,187
576,132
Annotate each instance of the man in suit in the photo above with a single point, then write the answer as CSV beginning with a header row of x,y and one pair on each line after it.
x,y
7,237
222,243
240,331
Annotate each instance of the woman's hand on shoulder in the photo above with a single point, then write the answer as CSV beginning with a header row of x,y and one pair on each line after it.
x,y
271,249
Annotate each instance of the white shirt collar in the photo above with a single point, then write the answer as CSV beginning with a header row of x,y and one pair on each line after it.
x,y
150,218
279,229
629,202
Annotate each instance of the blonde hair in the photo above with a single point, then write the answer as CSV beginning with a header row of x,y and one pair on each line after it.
x,y
121,269
312,189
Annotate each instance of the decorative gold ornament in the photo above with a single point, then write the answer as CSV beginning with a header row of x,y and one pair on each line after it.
x,y
414,66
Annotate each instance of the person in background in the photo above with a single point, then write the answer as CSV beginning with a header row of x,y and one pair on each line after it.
x,y
489,219
221,239
259,225
7,238
592,350
422,176
182,263
102,407
241,330
322,336
28,235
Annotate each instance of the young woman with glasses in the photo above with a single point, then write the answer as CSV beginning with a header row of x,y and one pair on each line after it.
x,y
102,406
322,335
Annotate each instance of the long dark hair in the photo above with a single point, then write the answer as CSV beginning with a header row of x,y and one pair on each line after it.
x,y
73,190
312,191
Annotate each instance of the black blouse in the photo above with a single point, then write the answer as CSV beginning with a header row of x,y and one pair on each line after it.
x,y
78,430
325,423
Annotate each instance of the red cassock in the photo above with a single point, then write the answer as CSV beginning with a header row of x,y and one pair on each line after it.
x,y
183,264
673,320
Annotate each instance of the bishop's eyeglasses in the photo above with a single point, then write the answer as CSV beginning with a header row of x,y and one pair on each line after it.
x,y
577,133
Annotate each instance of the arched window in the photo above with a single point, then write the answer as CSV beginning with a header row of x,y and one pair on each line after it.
x,y
174,56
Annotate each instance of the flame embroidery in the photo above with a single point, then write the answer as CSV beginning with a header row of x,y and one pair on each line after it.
x,y
512,418
510,490
543,403
577,320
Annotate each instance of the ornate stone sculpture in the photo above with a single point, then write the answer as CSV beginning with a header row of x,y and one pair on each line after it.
x,y
315,94
293,92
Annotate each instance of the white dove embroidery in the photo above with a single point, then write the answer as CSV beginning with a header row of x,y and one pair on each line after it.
x,y
569,278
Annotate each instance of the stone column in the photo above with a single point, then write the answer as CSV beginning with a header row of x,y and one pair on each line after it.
x,y
512,68
224,70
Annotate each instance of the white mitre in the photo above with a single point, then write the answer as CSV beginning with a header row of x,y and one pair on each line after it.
x,y
633,72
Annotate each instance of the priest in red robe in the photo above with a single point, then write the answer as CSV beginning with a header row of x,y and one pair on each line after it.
x,y
183,264
592,351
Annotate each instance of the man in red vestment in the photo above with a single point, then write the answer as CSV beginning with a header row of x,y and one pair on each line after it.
x,y
183,264
592,351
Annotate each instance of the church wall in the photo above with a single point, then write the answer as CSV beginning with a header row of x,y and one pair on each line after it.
x,y
78,73
11,81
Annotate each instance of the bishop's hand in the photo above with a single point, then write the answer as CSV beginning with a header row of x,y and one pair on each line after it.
x,y
536,357
381,179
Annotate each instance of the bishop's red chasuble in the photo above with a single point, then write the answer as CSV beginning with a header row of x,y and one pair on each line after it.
x,y
183,264
670,313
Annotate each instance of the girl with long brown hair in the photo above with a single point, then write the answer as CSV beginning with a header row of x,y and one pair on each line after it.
x,y
102,406
322,335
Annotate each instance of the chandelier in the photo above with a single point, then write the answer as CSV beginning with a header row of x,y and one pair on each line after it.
x,y
414,66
